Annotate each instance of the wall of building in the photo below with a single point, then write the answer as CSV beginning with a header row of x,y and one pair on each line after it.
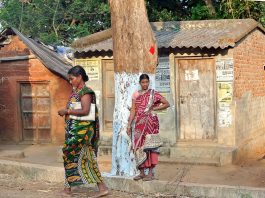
x,y
224,126
249,95
32,70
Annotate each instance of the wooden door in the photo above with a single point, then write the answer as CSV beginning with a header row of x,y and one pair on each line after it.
x,y
196,91
35,112
108,94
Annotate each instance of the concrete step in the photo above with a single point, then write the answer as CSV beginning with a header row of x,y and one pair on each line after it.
x,y
12,154
202,153
189,161
107,150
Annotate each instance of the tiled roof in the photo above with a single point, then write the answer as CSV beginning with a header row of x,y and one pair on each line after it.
x,y
181,34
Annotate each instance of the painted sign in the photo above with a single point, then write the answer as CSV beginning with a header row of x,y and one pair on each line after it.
x,y
225,70
191,75
162,77
225,93
91,67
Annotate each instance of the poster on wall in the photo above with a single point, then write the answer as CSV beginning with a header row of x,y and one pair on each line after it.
x,y
162,76
191,75
225,97
224,70
225,93
91,67
224,116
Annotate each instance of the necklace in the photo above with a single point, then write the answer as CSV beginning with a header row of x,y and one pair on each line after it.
x,y
143,91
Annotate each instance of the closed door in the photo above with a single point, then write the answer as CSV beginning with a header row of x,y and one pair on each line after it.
x,y
35,112
196,79
108,94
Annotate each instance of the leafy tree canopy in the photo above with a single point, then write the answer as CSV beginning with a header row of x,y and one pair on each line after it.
x,y
61,21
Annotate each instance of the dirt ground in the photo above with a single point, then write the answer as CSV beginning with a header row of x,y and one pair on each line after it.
x,y
17,188
251,173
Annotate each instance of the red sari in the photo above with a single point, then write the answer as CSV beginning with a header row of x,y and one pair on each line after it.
x,y
145,123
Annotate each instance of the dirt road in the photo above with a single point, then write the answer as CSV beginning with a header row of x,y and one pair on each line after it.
x,y
17,188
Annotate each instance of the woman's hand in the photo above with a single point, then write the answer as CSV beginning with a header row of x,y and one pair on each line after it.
x,y
62,112
129,131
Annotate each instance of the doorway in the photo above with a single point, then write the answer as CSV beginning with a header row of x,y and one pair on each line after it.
x,y
35,112
108,94
196,98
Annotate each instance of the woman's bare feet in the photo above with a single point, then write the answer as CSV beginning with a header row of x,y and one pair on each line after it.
x,y
103,191
139,177
99,194
148,178
65,192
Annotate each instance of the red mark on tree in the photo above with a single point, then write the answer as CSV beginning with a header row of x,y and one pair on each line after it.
x,y
152,50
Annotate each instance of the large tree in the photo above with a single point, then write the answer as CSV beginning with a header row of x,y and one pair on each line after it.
x,y
135,52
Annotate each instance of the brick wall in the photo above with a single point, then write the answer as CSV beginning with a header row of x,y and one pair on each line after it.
x,y
13,72
249,59
249,95
15,48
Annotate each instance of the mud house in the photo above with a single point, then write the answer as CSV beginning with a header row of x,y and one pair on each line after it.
x,y
212,72
33,87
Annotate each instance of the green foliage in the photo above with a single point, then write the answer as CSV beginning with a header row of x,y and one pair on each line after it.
x,y
240,9
56,21
200,12
61,21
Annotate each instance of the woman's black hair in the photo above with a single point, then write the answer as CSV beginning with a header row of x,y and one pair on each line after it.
x,y
78,70
144,76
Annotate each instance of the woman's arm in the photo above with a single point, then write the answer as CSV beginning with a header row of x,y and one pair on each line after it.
x,y
165,105
85,104
131,117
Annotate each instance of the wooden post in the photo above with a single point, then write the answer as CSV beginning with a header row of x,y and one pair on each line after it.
x,y
135,52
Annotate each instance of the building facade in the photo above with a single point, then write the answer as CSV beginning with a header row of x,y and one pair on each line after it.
x,y
211,72
33,88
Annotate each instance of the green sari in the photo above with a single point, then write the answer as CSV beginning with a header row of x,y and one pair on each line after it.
x,y
81,145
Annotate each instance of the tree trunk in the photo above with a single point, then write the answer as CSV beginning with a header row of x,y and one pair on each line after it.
x,y
135,52
210,6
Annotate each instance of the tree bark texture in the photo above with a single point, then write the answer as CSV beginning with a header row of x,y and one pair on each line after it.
x,y
134,45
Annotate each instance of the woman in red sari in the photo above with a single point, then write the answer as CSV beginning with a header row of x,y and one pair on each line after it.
x,y
143,126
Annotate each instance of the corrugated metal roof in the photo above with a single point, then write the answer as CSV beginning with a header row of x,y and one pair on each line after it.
x,y
179,34
48,57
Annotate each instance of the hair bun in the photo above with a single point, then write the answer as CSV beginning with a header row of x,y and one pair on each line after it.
x,y
86,78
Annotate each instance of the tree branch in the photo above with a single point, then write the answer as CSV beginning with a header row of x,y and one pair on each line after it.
x,y
210,6
53,19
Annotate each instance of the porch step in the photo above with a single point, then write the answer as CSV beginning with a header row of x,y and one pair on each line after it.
x,y
202,153
191,161
107,150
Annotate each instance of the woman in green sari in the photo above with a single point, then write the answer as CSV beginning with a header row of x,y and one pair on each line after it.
x,y
81,137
